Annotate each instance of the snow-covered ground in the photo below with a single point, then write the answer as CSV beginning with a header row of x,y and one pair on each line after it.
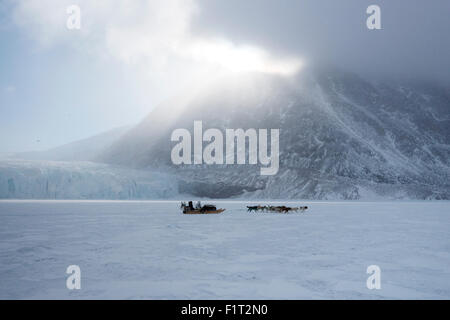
x,y
148,249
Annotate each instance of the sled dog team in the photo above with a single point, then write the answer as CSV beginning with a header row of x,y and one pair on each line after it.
x,y
279,209
189,208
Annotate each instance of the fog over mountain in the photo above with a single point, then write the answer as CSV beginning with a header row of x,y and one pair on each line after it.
x,y
340,137
130,55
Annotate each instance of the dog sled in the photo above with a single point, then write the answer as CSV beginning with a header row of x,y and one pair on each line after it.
x,y
199,209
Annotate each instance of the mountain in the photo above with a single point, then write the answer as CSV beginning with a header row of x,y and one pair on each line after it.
x,y
341,137
81,150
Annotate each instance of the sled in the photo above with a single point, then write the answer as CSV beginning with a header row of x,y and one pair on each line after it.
x,y
199,209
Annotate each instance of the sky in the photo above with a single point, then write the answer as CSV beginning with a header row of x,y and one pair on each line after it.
x,y
59,85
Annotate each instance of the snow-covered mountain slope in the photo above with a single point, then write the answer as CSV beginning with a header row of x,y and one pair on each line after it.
x,y
81,180
81,150
341,137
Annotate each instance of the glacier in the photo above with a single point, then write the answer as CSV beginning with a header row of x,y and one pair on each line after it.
x,y
27,179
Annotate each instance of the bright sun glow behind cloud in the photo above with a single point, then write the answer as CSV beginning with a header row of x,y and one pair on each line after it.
x,y
241,59
157,33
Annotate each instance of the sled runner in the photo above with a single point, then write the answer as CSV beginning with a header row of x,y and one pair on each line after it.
x,y
199,209
195,211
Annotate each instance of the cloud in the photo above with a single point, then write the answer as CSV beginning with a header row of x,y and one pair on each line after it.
x,y
153,33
